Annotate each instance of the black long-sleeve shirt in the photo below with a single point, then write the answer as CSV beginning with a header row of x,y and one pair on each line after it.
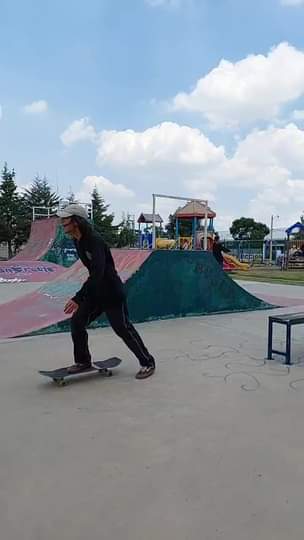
x,y
103,286
217,250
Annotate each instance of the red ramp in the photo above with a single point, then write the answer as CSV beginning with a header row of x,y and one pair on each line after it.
x,y
44,307
26,265
42,236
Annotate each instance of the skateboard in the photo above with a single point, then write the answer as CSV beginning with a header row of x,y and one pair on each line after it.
x,y
104,367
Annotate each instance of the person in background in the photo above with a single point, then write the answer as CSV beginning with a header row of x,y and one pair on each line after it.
x,y
218,249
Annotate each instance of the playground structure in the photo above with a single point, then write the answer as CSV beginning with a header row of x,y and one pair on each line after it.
x,y
201,217
145,236
195,210
294,251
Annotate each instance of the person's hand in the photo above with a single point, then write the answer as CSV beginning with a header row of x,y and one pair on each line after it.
x,y
70,307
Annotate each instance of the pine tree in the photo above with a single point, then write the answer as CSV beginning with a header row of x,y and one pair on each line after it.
x,y
14,225
103,222
40,194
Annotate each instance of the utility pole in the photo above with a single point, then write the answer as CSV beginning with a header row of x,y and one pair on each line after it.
x,y
271,237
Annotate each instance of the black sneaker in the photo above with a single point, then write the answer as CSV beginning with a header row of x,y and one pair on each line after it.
x,y
145,372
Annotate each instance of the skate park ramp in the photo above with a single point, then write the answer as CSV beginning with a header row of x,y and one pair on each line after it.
x,y
159,284
62,251
28,271
37,262
42,235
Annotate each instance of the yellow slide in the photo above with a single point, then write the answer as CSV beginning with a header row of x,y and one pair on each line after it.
x,y
233,261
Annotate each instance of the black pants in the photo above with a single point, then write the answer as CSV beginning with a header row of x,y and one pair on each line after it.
x,y
119,320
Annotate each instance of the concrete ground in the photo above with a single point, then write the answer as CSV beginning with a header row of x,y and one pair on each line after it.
x,y
276,293
209,448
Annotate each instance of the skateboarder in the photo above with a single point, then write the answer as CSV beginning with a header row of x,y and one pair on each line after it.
x,y
102,292
217,249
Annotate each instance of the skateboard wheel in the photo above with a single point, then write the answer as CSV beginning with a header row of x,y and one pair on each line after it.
x,y
109,373
59,382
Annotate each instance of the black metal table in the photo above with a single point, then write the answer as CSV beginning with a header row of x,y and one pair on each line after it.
x,y
289,320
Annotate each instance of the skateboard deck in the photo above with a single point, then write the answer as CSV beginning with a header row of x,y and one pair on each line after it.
x,y
103,367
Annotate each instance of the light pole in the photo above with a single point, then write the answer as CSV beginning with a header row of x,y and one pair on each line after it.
x,y
271,237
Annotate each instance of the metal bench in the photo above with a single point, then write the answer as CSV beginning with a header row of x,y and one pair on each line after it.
x,y
289,320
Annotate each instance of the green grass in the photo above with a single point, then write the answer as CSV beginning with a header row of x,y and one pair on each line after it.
x,y
288,277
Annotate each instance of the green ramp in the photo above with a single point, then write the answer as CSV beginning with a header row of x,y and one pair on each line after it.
x,y
172,284
184,283
62,251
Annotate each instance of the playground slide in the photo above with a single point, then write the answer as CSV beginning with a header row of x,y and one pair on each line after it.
x,y
234,264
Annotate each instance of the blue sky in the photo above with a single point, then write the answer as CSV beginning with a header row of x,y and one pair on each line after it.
x,y
200,98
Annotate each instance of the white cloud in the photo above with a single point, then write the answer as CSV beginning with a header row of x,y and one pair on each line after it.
x,y
285,200
37,107
106,187
273,153
167,144
117,195
292,2
79,130
270,163
254,88
264,175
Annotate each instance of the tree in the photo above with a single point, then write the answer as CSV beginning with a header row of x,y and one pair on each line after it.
x,y
127,236
171,227
14,226
40,194
103,222
248,229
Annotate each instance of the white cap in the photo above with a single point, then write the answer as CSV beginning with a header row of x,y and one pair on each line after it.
x,y
73,210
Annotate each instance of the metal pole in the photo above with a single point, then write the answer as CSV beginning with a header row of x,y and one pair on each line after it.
x,y
179,198
270,245
194,233
153,224
206,228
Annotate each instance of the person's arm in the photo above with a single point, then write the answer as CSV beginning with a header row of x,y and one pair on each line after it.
x,y
93,284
